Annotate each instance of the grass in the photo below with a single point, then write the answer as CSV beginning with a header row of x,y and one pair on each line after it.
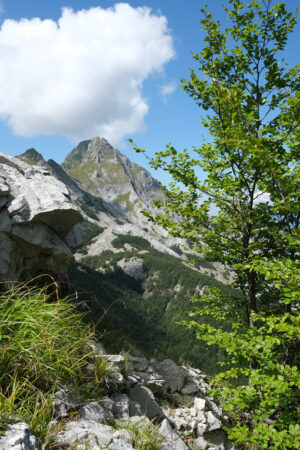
x,y
44,345
145,434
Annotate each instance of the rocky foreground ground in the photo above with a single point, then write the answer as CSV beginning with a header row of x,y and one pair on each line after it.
x,y
172,400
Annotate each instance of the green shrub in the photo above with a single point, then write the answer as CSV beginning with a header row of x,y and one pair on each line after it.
x,y
136,241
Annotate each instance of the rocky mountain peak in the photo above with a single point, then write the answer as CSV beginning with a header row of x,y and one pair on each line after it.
x,y
91,150
32,157
105,172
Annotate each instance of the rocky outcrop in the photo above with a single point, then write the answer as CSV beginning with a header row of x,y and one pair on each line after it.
x,y
139,394
151,394
18,437
38,221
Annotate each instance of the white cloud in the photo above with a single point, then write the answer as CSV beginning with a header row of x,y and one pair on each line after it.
x,y
81,76
262,197
168,89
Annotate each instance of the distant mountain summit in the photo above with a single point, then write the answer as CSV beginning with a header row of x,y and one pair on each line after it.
x,y
105,172
32,157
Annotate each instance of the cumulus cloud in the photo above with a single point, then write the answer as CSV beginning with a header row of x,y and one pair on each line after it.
x,y
262,197
81,76
168,89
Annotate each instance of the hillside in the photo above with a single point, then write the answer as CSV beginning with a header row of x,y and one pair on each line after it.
x,y
135,279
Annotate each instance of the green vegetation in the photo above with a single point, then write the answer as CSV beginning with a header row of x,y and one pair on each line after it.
x,y
145,435
252,176
83,173
29,161
91,205
90,230
44,346
75,157
147,321
124,199
136,241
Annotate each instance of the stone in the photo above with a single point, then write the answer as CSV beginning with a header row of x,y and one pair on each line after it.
x,y
172,374
171,439
216,438
213,406
125,435
193,425
190,387
98,348
135,409
132,381
118,380
213,422
18,437
201,428
139,364
138,421
133,268
93,411
145,398
86,434
156,385
116,360
120,444
193,412
121,406
37,215
108,404
199,404
200,443
64,402
180,423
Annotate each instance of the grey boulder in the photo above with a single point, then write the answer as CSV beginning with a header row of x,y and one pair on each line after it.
x,y
18,437
173,375
171,439
86,434
145,398
93,411
37,221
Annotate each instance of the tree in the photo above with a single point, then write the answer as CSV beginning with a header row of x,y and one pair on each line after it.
x,y
252,177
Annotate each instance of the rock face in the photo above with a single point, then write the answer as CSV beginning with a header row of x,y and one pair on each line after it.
x,y
37,221
105,172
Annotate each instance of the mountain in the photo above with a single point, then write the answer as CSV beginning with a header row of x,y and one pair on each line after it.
x,y
134,279
104,172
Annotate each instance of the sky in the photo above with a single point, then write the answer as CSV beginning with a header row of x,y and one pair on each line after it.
x,y
75,69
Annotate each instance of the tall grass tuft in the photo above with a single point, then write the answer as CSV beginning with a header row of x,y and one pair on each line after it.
x,y
44,344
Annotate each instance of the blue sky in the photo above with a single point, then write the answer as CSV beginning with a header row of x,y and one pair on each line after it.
x,y
139,91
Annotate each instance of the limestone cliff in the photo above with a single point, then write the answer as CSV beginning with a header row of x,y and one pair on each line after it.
x,y
37,220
